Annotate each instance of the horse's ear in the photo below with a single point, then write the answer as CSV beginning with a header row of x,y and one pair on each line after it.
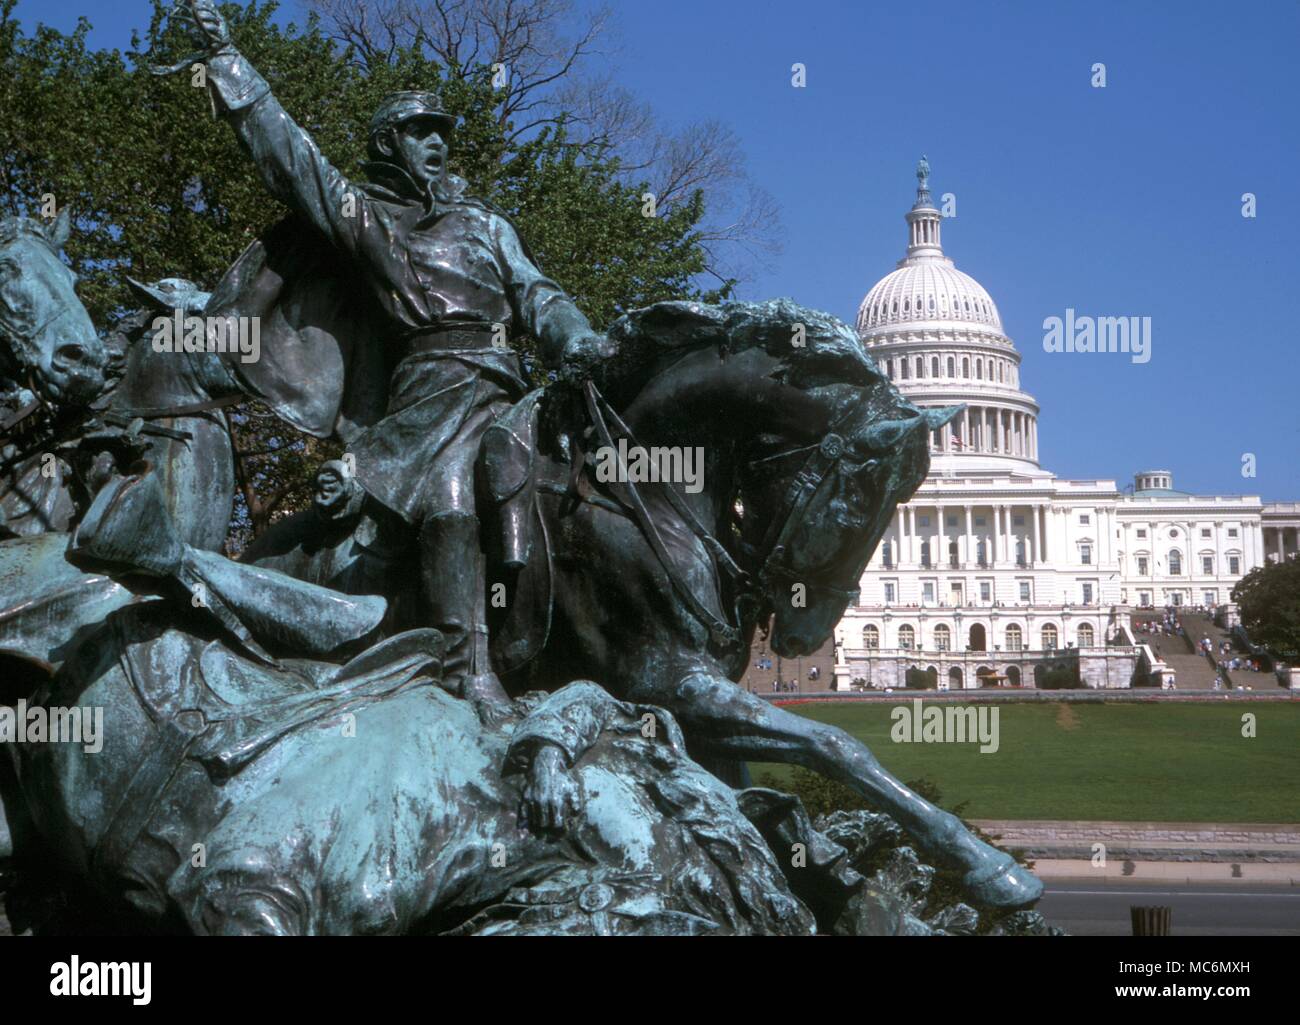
x,y
61,228
937,416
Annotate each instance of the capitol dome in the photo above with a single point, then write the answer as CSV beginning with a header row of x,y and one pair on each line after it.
x,y
927,290
936,333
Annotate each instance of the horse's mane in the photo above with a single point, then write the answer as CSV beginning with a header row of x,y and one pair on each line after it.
x,y
15,226
811,348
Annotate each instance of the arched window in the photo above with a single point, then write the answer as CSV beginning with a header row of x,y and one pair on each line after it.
x,y
906,637
1049,637
925,553
871,636
934,367
1015,640
950,367
979,369
920,367
1175,563
942,637
965,366
902,367
1086,636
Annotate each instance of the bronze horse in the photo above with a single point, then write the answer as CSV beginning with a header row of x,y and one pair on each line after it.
x,y
657,592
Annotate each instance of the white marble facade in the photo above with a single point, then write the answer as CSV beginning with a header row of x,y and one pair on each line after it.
x,y
997,565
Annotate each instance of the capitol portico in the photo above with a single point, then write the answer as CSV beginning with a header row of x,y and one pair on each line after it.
x,y
997,568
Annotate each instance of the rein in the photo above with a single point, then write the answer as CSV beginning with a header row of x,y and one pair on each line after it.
x,y
822,459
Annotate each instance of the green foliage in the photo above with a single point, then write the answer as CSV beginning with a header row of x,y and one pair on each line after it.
x,y
1059,678
1269,601
159,189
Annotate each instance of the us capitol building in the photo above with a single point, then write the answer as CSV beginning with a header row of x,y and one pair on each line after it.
x,y
998,568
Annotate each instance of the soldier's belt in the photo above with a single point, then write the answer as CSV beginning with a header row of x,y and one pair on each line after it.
x,y
449,336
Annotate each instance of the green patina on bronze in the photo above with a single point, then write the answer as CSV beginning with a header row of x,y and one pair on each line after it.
x,y
357,738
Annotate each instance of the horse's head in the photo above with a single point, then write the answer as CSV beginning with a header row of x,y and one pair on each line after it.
x,y
819,493
47,340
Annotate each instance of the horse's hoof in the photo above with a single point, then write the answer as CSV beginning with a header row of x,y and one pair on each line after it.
x,y
1006,884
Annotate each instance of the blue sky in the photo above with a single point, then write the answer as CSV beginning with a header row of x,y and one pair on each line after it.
x,y
1117,201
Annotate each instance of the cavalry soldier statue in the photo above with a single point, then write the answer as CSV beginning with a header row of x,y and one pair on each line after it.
x,y
450,280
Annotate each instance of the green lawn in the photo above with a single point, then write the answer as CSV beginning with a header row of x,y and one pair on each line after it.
x,y
1160,762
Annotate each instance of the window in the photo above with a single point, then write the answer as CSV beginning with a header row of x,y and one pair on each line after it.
x,y
1020,552
1144,599
1232,531
982,552
934,367
1142,565
979,521
1142,532
942,637
1211,597
1049,637
1018,521
927,592
950,367
1205,532
906,637
1085,554
1087,592
925,554
924,521
887,555
952,554
1234,564
1085,635
1175,563
986,591
1173,533
891,592
951,521
1207,564
1085,518
965,367
871,636
1015,639
1024,591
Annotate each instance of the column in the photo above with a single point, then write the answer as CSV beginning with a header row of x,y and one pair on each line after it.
x,y
999,539
965,429
1039,554
971,551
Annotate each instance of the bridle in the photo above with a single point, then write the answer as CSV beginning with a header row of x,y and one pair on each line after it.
x,y
752,588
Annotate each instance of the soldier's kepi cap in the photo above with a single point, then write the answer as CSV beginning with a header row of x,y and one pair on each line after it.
x,y
403,106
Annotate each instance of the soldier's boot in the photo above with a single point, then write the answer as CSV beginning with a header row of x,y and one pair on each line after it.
x,y
129,529
453,589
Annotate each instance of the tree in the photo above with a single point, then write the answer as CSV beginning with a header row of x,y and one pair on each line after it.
x,y
549,65
1269,601
159,189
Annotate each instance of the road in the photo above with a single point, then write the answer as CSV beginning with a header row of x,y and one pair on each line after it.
x,y
1089,908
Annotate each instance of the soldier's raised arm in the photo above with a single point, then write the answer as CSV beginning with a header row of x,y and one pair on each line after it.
x,y
286,158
